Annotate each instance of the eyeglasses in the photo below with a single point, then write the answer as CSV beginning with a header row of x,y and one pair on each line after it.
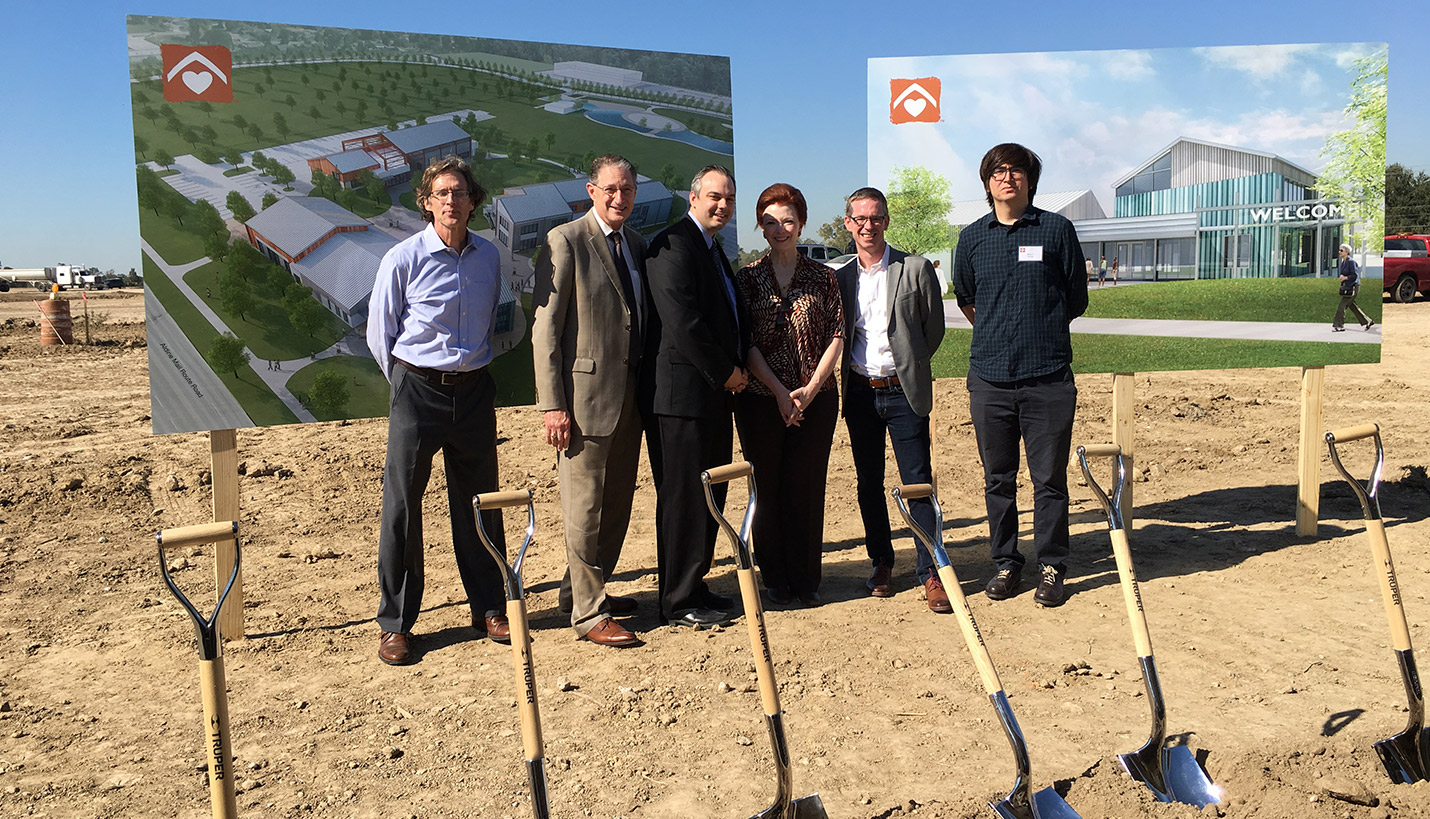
x,y
861,221
1008,172
455,194
625,190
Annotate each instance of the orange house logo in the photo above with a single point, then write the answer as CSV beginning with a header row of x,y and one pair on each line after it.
x,y
197,73
914,100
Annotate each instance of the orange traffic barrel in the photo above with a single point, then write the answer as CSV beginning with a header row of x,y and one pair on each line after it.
x,y
56,326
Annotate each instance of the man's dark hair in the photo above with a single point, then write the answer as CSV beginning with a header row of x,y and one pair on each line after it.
x,y
699,177
453,165
1014,156
866,193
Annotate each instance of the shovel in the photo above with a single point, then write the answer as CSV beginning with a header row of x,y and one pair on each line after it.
x,y
520,640
1406,755
785,806
1172,773
1020,803
213,689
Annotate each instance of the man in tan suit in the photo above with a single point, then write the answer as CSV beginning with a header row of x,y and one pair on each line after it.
x,y
591,307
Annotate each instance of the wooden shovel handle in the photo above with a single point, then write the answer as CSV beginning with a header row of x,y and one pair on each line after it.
x,y
217,743
759,641
501,500
1101,450
971,635
910,491
1355,433
729,472
1389,586
525,679
197,534
1131,593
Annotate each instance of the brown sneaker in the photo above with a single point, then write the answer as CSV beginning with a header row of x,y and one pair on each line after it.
x,y
936,596
1050,591
393,649
1004,584
881,582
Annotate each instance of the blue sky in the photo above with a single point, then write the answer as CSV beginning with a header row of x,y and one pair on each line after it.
x,y
1094,116
799,73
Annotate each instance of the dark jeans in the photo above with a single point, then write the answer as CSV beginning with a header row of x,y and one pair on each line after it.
x,y
791,468
460,421
685,531
1039,411
869,413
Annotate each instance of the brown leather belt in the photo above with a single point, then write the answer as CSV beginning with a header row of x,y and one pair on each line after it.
x,y
883,383
442,377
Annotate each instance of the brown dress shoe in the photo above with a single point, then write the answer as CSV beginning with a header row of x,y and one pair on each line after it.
x,y
495,627
936,596
881,582
622,605
393,649
610,633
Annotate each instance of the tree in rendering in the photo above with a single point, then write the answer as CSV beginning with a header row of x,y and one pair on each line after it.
x,y
329,394
269,200
239,206
141,145
163,158
235,295
918,211
1355,158
226,353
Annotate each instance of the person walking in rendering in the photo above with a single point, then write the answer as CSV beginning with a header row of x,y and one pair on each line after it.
x,y
1350,286
795,337
1020,279
591,305
430,325
893,323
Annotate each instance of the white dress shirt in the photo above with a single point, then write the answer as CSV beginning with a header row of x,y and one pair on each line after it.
x,y
871,353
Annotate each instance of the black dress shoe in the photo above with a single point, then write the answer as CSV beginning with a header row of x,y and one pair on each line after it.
x,y
811,599
719,602
1004,584
779,596
700,618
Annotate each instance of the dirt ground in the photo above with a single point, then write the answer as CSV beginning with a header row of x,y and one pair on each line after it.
x,y
1273,649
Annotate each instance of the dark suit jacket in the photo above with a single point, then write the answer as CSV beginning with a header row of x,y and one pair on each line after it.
x,y
580,333
915,323
699,338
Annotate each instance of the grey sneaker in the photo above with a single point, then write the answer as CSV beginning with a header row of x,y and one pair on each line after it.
x,y
1050,591
1004,584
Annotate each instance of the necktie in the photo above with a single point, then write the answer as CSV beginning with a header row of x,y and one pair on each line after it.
x,y
629,291
720,262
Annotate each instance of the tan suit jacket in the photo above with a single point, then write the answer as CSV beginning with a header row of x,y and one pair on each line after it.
x,y
580,333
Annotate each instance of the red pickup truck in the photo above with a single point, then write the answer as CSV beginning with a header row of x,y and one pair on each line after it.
x,y
1407,266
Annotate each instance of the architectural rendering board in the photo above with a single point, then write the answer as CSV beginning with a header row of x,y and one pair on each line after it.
x,y
276,164
1220,180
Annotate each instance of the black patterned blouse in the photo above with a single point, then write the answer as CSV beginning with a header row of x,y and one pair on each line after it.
x,y
792,329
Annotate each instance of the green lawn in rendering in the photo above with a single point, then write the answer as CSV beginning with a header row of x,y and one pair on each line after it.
x,y
173,241
512,370
362,204
712,124
266,328
367,389
262,406
1290,299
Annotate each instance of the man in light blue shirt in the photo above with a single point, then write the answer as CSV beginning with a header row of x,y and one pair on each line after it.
x,y
429,326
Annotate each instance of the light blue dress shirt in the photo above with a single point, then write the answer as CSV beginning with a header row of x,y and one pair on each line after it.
x,y
435,307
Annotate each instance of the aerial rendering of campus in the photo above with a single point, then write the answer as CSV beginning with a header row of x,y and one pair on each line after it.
x,y
275,167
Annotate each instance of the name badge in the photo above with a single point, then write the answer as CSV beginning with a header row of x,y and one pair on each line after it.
x,y
1030,253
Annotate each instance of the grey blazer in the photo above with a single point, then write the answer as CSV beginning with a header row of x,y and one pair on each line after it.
x,y
915,323
580,331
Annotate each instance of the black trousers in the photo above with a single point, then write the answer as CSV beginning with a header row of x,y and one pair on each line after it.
x,y
1038,411
791,467
685,531
461,421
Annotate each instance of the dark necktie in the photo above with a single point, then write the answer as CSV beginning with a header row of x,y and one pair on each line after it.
x,y
629,291
719,256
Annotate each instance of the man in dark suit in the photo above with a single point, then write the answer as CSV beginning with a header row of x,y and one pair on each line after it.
x,y
697,371
591,307
893,323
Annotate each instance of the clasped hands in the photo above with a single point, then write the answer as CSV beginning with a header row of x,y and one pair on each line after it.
x,y
792,403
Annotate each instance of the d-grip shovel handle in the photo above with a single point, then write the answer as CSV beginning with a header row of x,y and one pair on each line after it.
x,y
729,472
1345,435
501,500
194,536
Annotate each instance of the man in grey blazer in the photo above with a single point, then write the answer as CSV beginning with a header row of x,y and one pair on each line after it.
x,y
591,306
893,321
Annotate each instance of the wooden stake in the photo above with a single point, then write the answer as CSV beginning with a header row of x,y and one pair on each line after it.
x,y
1122,427
223,450
1308,477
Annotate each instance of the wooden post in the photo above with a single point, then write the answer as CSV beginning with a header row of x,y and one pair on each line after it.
x,y
223,450
1122,427
1308,476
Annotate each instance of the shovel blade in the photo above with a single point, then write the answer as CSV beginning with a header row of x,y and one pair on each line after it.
x,y
1186,781
1401,758
805,807
1046,804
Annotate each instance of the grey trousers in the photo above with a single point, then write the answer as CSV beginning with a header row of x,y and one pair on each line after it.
x,y
461,421
1349,301
598,481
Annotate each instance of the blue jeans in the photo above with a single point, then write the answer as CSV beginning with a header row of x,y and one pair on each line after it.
x,y
868,413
